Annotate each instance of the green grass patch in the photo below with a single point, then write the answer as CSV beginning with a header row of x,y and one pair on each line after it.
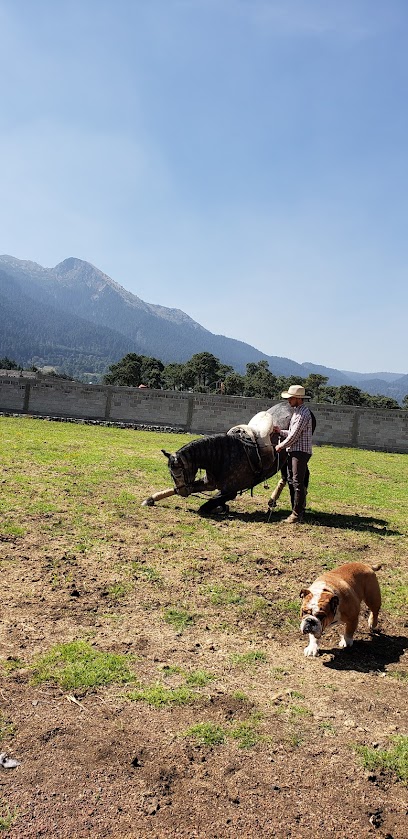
x,y
146,572
117,591
172,669
7,728
240,696
250,658
79,666
401,675
9,665
395,596
159,695
394,759
327,727
7,816
9,529
221,595
245,734
207,733
179,619
199,678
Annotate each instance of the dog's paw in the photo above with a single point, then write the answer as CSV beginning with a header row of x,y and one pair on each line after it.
x,y
345,641
311,650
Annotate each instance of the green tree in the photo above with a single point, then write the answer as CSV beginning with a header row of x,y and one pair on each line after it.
x,y
206,370
315,386
234,384
383,402
177,377
259,380
405,402
349,395
7,363
330,393
133,370
151,372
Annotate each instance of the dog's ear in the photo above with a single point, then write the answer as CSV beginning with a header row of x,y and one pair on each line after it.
x,y
334,602
304,592
166,454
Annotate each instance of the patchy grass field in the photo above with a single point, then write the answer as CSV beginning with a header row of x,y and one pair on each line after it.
x,y
153,682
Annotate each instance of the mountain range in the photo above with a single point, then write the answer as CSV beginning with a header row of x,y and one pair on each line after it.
x,y
77,319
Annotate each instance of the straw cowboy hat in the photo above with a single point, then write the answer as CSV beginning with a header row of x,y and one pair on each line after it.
x,y
295,390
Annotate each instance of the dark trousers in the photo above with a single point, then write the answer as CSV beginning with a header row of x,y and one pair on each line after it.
x,y
298,480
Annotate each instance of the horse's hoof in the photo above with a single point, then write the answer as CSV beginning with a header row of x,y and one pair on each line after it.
x,y
149,502
222,510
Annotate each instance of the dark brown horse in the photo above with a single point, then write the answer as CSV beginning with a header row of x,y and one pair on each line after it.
x,y
232,463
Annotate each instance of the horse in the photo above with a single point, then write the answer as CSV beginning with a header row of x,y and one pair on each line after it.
x,y
233,462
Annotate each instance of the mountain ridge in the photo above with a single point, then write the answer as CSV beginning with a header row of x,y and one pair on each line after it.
x,y
78,294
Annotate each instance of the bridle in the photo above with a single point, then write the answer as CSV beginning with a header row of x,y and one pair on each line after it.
x,y
182,474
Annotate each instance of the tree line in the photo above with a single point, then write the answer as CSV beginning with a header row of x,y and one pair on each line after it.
x,y
204,373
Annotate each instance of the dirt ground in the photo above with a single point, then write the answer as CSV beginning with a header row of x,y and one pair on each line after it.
x,y
95,764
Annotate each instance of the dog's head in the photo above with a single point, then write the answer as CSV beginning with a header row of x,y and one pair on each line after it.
x,y
318,611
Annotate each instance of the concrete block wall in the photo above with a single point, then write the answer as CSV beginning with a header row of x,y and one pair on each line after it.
x,y
149,407
67,399
198,413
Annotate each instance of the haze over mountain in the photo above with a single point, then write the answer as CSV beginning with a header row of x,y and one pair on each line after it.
x,y
76,318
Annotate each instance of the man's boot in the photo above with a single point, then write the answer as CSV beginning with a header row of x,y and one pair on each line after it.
x,y
293,519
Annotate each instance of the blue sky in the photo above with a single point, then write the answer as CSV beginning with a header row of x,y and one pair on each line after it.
x,y
242,160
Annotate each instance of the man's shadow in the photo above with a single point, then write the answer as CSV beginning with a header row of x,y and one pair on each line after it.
x,y
367,656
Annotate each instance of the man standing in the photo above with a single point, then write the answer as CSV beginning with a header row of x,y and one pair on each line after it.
x,y
298,442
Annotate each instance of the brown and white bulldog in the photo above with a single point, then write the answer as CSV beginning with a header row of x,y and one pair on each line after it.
x,y
335,598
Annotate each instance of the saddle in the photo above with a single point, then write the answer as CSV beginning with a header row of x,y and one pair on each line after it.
x,y
257,442
248,439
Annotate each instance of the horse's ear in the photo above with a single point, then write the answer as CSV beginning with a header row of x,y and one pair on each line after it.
x,y
166,454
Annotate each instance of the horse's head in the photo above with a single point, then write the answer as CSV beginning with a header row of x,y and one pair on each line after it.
x,y
180,473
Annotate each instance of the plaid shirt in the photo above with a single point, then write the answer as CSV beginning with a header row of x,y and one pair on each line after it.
x,y
298,437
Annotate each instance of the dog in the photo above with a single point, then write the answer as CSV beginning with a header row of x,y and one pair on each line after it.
x,y
335,598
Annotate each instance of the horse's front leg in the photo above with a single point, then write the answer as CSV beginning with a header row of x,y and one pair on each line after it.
x,y
276,493
206,484
217,504
158,496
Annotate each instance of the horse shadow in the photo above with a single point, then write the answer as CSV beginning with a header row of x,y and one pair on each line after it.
x,y
351,522
367,656
339,521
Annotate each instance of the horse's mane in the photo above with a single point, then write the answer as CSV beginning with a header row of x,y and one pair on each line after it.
x,y
204,451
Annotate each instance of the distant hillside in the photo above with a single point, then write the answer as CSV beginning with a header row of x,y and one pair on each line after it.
x,y
76,318
393,385
34,331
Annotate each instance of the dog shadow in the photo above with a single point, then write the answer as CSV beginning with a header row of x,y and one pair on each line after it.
x,y
366,656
